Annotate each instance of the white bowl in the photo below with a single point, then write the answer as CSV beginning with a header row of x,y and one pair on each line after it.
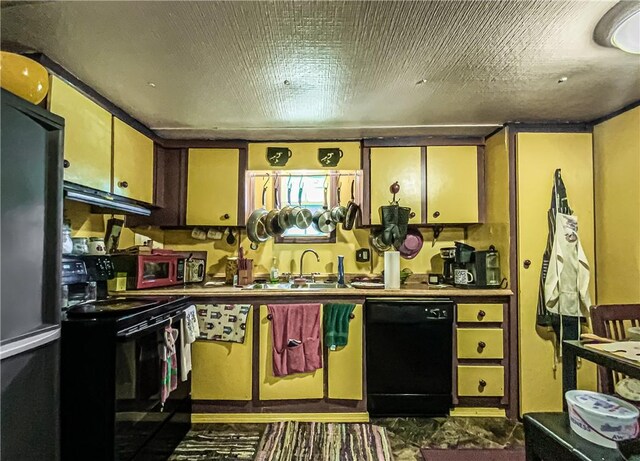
x,y
601,419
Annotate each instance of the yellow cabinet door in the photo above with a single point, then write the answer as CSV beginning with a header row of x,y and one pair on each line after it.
x,y
87,136
538,156
452,184
480,381
222,370
291,387
479,343
132,163
212,187
391,164
345,364
475,313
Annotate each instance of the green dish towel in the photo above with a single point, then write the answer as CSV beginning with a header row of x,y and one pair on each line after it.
x,y
336,324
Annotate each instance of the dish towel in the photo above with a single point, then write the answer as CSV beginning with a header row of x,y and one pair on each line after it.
x,y
189,332
336,324
223,322
169,363
296,338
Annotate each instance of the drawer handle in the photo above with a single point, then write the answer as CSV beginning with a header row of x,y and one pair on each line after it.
x,y
225,216
527,263
481,314
482,345
436,214
66,163
482,383
123,184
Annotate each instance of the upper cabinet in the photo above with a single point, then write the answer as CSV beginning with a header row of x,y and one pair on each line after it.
x,y
87,136
132,163
452,185
213,176
391,164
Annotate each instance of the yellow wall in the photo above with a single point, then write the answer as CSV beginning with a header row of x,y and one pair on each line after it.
x,y
538,155
496,230
616,153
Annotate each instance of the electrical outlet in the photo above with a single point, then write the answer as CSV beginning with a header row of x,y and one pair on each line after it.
x,y
363,255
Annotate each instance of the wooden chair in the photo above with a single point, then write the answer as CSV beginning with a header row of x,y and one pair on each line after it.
x,y
608,321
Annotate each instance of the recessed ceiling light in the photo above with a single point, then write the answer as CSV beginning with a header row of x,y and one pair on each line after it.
x,y
421,81
562,79
620,27
151,84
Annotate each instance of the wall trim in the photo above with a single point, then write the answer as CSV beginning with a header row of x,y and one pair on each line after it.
x,y
615,113
551,127
279,417
478,412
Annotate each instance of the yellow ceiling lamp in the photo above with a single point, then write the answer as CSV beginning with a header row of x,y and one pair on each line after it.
x,y
23,77
620,27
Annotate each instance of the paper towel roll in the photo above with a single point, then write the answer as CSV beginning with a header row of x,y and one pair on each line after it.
x,y
392,270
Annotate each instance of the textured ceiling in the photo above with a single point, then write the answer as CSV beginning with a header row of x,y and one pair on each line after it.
x,y
219,68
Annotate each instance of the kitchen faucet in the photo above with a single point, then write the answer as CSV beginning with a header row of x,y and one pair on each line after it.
x,y
302,258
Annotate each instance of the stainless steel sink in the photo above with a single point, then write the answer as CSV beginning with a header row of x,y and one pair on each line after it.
x,y
290,286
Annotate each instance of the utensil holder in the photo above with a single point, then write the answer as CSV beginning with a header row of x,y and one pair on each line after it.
x,y
245,275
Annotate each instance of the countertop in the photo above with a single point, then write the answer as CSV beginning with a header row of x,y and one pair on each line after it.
x,y
408,290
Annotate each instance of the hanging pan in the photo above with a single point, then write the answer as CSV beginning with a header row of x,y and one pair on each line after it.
x,y
273,217
338,212
256,224
352,210
301,217
322,218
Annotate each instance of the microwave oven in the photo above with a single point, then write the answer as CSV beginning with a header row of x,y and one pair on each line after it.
x,y
150,270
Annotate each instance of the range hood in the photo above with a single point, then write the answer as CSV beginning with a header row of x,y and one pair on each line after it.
x,y
103,201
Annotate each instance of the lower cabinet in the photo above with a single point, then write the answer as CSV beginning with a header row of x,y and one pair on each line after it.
x,y
292,387
480,381
345,380
223,370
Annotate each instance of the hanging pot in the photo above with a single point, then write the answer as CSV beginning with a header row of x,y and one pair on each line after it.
x,y
284,217
322,218
256,224
352,210
338,212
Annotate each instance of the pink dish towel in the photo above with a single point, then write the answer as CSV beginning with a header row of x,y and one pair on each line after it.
x,y
296,338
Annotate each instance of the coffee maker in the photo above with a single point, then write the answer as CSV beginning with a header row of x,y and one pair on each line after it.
x,y
84,278
486,268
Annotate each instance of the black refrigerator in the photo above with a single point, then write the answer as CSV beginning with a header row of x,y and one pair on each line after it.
x,y
31,219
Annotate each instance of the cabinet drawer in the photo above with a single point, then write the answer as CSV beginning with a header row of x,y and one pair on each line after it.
x,y
479,343
480,381
480,313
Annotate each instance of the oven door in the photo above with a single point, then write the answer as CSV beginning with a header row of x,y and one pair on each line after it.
x,y
138,386
156,271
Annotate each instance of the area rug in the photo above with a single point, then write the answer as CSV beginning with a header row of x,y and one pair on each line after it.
x,y
216,446
466,454
289,441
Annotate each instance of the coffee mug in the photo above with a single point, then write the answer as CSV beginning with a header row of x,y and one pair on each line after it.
x,y
214,234
278,156
462,277
198,234
329,156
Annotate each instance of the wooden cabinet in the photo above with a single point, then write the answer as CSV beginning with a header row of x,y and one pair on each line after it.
x,y
452,184
391,164
479,313
132,163
480,343
480,381
291,387
345,364
212,187
223,370
304,155
87,136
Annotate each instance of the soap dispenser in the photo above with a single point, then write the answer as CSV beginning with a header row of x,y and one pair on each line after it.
x,y
274,277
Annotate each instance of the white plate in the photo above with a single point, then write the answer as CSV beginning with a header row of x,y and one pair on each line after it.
x,y
370,285
214,284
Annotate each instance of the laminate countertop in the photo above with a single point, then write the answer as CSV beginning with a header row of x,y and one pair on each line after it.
x,y
409,290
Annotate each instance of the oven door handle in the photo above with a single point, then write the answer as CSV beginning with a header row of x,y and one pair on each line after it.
x,y
154,324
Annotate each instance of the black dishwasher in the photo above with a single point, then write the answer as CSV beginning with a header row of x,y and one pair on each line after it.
x,y
409,356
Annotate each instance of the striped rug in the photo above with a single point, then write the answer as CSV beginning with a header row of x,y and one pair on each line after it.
x,y
294,441
209,445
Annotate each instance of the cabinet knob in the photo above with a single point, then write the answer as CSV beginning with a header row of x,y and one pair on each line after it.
x,y
123,184
481,314
482,383
225,216
412,215
526,263
66,163
436,214
482,344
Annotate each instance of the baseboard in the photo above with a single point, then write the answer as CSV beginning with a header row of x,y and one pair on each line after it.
x,y
480,412
278,417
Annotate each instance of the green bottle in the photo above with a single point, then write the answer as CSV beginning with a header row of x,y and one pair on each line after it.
x,y
273,272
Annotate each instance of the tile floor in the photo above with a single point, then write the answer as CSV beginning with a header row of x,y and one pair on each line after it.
x,y
407,435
